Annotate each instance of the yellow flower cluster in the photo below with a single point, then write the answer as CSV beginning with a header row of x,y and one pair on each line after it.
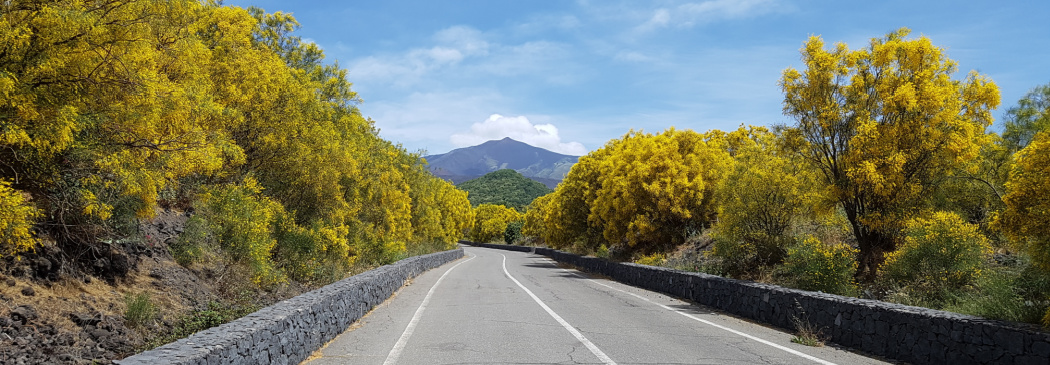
x,y
941,251
16,221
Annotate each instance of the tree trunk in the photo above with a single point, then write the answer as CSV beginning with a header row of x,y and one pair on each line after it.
x,y
872,244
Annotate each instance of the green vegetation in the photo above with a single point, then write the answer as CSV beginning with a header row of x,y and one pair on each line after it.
x,y
504,187
512,234
140,309
813,265
215,314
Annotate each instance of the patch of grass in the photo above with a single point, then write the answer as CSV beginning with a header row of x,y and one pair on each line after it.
x,y
806,333
808,338
1006,293
216,314
141,310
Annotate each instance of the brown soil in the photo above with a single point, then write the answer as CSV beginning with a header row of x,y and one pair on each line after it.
x,y
54,312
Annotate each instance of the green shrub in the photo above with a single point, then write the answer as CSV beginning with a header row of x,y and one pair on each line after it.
x,y
513,232
813,265
140,309
939,255
242,221
733,257
603,252
318,254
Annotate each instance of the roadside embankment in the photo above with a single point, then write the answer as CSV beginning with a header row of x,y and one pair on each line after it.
x,y
289,331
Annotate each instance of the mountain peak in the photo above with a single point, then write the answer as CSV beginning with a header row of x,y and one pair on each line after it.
x,y
536,163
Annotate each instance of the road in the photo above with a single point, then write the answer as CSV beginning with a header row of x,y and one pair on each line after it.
x,y
502,307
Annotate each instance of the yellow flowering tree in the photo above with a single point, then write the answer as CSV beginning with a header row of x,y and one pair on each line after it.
x,y
490,221
643,193
242,221
763,194
656,189
535,215
883,124
109,110
1026,219
103,106
565,213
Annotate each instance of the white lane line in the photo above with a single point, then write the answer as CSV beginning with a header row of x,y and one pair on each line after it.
x,y
399,347
579,336
792,351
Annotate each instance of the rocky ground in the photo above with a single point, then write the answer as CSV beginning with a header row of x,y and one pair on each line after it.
x,y
54,312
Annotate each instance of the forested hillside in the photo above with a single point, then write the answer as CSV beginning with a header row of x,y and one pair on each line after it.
x,y
504,187
114,112
888,184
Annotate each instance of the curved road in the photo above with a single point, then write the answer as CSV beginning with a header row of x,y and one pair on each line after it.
x,y
503,307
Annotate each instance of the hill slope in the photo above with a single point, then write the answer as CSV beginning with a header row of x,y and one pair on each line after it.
x,y
467,163
506,187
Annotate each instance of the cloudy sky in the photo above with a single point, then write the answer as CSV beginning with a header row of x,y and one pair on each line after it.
x,y
570,75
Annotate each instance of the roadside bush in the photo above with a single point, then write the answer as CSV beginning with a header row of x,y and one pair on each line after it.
x,y
140,309
318,255
241,221
512,233
816,266
603,252
939,254
732,257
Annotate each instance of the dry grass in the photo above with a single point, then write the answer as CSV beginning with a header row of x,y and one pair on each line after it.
x,y
55,301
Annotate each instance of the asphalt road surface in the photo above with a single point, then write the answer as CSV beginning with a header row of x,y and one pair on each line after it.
x,y
502,307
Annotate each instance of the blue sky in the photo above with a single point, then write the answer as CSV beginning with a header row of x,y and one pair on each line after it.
x,y
571,75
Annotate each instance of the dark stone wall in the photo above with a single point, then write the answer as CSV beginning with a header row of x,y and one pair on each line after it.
x,y
912,334
289,331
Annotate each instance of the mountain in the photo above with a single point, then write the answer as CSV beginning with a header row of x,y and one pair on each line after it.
x,y
505,187
468,163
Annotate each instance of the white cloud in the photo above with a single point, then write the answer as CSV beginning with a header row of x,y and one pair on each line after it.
x,y
631,56
518,128
466,39
460,52
453,46
659,19
692,13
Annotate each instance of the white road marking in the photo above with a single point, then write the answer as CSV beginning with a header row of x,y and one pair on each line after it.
x,y
792,351
399,347
579,336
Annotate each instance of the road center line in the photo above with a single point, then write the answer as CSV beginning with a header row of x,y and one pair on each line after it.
x,y
399,347
579,336
792,351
